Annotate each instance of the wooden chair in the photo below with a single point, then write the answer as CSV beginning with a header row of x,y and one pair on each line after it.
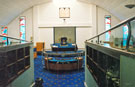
x,y
40,46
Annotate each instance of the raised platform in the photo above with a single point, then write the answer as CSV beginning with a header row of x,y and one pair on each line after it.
x,y
63,63
63,60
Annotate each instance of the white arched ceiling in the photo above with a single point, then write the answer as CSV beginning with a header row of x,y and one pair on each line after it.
x,y
10,9
116,7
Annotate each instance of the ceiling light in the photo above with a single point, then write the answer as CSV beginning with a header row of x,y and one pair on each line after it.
x,y
130,6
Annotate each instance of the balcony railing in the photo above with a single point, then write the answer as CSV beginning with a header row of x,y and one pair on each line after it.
x,y
121,36
5,41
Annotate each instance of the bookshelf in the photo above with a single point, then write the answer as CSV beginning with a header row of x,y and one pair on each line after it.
x,y
104,68
14,60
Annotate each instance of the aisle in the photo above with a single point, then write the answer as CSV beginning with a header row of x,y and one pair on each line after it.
x,y
58,79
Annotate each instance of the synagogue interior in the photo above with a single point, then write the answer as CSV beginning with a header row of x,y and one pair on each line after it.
x,y
67,43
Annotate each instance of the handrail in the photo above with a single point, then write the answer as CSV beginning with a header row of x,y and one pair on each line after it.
x,y
112,28
8,42
13,38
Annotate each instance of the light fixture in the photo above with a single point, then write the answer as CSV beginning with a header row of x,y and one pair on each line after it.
x,y
131,4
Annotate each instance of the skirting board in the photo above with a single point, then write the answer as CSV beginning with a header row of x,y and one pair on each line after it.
x,y
85,84
32,84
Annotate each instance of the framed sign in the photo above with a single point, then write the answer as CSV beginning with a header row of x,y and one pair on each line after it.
x,y
64,12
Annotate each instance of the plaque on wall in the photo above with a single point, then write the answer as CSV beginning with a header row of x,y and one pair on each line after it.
x,y
64,12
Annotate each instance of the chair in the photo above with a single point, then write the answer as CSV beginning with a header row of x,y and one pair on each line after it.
x,y
63,40
40,46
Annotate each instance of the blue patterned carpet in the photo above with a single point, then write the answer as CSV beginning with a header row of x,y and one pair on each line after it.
x,y
58,79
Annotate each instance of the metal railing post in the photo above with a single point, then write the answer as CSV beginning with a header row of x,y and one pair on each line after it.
x,y
129,35
7,41
98,39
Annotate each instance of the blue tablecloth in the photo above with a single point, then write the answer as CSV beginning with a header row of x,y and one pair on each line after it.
x,y
66,59
69,45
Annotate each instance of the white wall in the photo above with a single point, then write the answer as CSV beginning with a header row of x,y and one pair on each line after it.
x,y
46,16
35,25
41,19
46,35
80,13
13,27
101,13
94,20
83,34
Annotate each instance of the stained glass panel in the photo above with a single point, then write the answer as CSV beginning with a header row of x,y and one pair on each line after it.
x,y
22,28
4,33
107,26
125,34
